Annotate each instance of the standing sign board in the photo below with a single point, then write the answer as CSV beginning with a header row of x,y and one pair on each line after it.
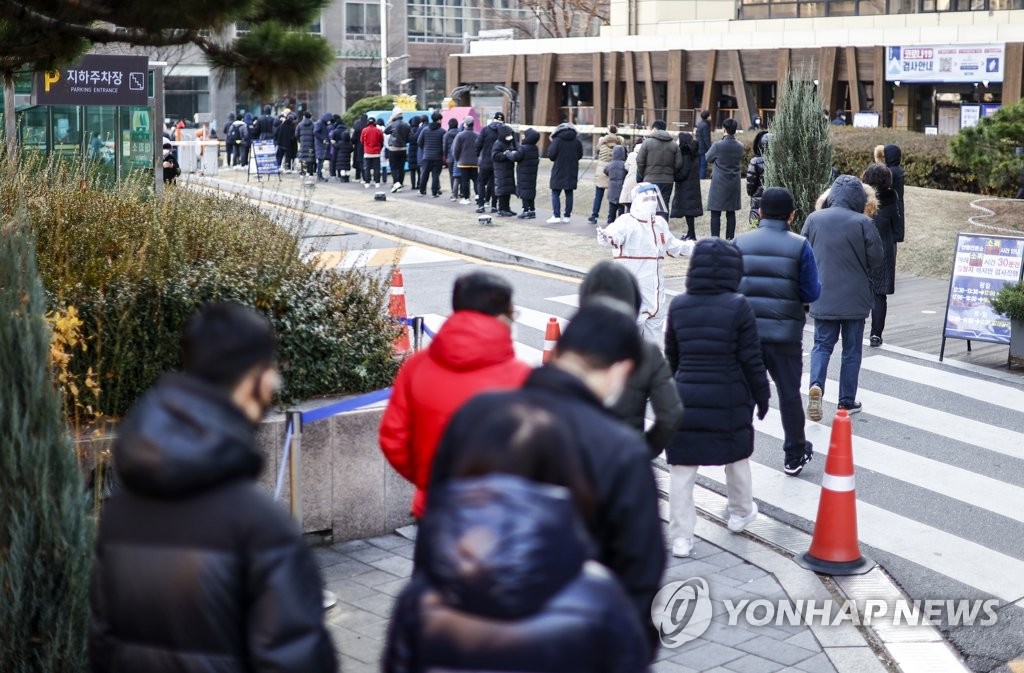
x,y
965,63
969,115
982,265
96,80
265,153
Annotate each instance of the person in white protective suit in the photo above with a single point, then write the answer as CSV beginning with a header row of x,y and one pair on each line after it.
x,y
640,240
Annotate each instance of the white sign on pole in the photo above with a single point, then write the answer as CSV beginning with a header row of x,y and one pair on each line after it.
x,y
969,115
865,120
945,63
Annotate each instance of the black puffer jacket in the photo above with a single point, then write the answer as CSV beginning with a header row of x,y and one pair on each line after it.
x,y
397,134
651,379
357,143
341,146
449,144
285,137
890,230
504,167
565,151
196,568
485,143
686,197
893,157
527,158
713,348
304,136
431,142
503,585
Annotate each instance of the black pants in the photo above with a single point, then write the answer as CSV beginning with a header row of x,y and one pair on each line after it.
x,y
730,223
528,205
503,203
397,162
614,210
468,177
357,166
485,187
371,167
878,312
280,158
415,176
432,168
691,232
784,363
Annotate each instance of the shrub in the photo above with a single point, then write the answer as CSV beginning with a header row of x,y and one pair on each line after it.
x,y
799,156
1009,301
45,532
991,150
365,105
136,266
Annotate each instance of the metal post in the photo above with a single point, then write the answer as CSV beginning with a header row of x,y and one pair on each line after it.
x,y
417,333
295,466
156,126
383,48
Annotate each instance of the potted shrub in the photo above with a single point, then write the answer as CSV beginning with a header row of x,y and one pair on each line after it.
x,y
1009,301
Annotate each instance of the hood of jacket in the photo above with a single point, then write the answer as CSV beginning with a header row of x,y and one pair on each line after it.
x,y
183,437
716,266
326,118
469,340
612,139
531,137
893,155
661,134
619,153
609,279
564,131
238,122
847,192
500,546
504,131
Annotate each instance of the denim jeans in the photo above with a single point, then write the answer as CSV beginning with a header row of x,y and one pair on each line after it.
x,y
826,334
556,202
703,167
595,210
784,363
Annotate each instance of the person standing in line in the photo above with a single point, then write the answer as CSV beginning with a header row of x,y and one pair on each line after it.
x,y
712,346
341,146
236,139
397,132
504,170
473,352
305,134
357,146
849,253
449,158
686,198
565,151
780,276
322,143
616,172
264,126
417,125
755,176
467,160
887,221
640,241
605,148
504,563
372,140
703,132
727,156
484,145
287,146
527,158
651,380
196,567
431,146
588,373
890,156
659,160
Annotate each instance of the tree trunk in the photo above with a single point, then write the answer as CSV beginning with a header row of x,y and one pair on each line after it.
x,y
10,123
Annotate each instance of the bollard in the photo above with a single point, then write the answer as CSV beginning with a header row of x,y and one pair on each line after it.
x,y
417,333
295,465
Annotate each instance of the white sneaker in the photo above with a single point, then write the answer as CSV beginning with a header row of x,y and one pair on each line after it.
x,y
554,219
376,185
566,219
397,188
738,523
682,546
366,185
465,202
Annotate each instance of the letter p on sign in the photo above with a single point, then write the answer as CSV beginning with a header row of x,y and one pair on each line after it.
x,y
50,77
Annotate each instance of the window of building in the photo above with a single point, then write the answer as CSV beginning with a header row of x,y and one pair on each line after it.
x,y
185,96
362,19
450,20
780,9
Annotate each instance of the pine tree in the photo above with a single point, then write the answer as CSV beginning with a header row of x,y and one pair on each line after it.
x,y
45,531
799,154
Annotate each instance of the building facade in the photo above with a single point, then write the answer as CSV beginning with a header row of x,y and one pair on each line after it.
x,y
925,65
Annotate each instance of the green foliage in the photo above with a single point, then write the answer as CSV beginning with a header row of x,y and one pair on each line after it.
x,y
365,105
989,150
799,156
1009,301
136,266
45,533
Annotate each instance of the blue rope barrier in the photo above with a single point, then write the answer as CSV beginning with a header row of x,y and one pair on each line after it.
x,y
345,405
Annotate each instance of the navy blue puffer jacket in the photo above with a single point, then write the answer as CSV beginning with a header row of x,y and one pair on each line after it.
x,y
503,585
712,346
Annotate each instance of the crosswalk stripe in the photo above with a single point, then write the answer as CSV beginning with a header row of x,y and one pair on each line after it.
x,y
536,319
962,560
979,389
368,257
567,299
954,482
966,430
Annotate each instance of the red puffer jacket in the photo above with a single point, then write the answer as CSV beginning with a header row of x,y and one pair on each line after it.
x,y
373,140
472,353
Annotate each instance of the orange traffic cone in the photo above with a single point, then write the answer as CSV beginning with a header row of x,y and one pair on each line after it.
x,y
396,307
552,334
834,547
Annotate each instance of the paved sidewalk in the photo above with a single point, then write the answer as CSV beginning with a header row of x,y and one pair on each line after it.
x,y
367,575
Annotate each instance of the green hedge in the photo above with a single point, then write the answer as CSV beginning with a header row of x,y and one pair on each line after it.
x,y
136,266
365,105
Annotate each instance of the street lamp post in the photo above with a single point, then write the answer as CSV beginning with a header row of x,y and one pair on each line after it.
x,y
383,48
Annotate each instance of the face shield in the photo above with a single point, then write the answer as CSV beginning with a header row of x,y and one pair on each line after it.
x,y
647,202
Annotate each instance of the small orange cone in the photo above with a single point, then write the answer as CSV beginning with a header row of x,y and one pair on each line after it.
x,y
552,334
396,307
834,547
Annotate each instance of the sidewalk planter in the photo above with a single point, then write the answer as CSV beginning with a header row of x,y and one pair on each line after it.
x,y
1017,339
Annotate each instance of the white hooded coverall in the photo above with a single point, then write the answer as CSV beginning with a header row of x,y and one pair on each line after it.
x,y
640,240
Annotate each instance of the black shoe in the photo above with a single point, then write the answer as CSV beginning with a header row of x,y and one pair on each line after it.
x,y
506,213
532,215
876,341
493,209
592,219
795,466
851,409
481,209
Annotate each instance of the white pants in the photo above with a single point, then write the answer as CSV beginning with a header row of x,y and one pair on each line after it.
x,y
683,513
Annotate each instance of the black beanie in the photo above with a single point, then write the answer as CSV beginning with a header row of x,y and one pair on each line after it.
x,y
777,203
